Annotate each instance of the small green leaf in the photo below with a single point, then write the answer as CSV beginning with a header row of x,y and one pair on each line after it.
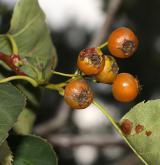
x,y
25,122
141,125
32,150
6,156
11,105
30,32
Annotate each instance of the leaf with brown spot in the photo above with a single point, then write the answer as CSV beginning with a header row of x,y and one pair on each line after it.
x,y
148,133
144,136
139,128
126,126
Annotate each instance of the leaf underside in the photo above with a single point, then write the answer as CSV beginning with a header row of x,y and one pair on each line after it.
x,y
142,128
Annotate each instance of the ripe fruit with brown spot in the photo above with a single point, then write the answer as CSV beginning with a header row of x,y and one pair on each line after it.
x,y
78,94
90,61
122,42
125,87
109,72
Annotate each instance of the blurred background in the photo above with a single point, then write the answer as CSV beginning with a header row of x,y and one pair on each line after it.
x,y
86,137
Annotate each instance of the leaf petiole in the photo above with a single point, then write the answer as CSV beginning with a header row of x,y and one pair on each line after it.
x,y
65,74
103,45
55,86
26,78
58,87
13,43
116,126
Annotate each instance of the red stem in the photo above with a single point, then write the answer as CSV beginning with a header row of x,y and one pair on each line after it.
x,y
9,60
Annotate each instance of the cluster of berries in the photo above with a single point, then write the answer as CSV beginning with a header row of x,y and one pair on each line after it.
x,y
122,43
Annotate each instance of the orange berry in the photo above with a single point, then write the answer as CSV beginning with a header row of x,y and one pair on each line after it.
x,y
90,61
122,42
78,94
125,87
109,72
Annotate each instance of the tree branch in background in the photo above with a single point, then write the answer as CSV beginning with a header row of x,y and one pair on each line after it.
x,y
111,11
68,141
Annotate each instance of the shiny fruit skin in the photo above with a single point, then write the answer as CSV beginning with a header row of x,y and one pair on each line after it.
x,y
122,42
109,72
78,94
125,87
90,61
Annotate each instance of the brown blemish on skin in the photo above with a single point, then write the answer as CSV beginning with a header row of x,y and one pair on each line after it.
x,y
148,133
83,97
95,59
114,68
126,126
128,47
139,128
91,56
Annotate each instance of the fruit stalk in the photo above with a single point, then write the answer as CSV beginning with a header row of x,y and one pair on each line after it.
x,y
116,126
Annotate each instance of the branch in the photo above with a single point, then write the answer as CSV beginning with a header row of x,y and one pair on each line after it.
x,y
68,141
111,11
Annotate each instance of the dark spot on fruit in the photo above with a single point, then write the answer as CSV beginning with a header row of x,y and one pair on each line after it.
x,y
95,59
91,56
128,47
82,97
139,128
114,68
148,133
126,126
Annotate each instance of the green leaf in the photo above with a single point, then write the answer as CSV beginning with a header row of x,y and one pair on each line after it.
x,y
11,105
33,150
30,32
141,126
6,156
25,122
